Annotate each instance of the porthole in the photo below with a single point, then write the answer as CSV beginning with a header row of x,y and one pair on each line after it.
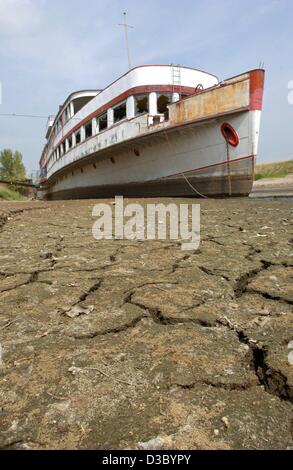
x,y
229,134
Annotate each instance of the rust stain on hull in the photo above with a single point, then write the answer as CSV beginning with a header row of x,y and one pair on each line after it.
x,y
222,99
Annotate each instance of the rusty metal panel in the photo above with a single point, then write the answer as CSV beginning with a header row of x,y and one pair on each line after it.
x,y
216,101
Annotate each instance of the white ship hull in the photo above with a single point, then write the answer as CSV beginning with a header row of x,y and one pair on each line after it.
x,y
186,156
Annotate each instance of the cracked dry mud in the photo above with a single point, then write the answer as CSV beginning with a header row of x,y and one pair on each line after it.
x,y
109,344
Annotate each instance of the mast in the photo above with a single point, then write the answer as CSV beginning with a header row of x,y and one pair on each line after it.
x,y
126,26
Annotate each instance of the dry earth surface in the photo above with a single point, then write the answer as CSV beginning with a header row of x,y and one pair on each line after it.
x,y
111,344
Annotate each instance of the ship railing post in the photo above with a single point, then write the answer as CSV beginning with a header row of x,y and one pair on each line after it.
x,y
71,109
130,107
153,105
94,126
110,114
175,97
82,133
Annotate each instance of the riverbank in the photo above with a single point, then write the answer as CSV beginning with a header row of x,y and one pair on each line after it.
x,y
278,169
111,344
8,194
273,187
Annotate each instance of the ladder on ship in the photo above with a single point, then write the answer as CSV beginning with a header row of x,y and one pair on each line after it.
x,y
176,79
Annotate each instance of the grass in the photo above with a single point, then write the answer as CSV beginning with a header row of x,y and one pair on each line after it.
x,y
274,170
8,194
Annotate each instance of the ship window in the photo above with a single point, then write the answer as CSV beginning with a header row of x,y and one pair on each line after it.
x,y
70,142
78,137
163,101
62,148
88,130
120,112
141,104
102,122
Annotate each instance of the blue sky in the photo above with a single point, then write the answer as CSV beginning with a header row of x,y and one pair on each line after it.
x,y
49,48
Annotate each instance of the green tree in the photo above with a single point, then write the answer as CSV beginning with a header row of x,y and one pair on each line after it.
x,y
11,166
19,167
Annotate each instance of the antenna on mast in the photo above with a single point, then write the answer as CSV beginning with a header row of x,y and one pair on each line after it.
x,y
126,26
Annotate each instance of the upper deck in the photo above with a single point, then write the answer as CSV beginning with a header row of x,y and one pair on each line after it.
x,y
144,89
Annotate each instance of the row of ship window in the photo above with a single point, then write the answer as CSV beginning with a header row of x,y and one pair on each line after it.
x,y
102,123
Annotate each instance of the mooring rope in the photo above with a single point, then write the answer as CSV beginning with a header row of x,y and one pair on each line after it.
x,y
192,187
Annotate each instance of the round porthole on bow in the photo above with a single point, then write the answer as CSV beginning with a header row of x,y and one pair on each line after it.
x,y
230,135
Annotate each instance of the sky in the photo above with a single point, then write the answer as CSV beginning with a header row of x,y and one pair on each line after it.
x,y
50,48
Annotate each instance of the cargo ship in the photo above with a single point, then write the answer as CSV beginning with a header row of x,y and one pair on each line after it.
x,y
159,130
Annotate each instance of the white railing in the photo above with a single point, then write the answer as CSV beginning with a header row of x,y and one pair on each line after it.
x,y
127,129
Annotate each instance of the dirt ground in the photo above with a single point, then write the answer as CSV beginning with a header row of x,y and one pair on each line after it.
x,y
122,344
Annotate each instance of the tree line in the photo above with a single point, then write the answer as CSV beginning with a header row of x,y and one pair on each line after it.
x,y
11,166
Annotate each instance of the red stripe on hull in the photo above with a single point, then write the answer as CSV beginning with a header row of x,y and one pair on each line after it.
x,y
257,78
213,165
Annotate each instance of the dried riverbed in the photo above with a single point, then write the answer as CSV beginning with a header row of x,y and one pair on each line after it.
x,y
111,344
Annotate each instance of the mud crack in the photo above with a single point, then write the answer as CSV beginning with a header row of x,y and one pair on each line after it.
x,y
108,331
243,281
33,278
274,382
6,217
158,317
220,385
